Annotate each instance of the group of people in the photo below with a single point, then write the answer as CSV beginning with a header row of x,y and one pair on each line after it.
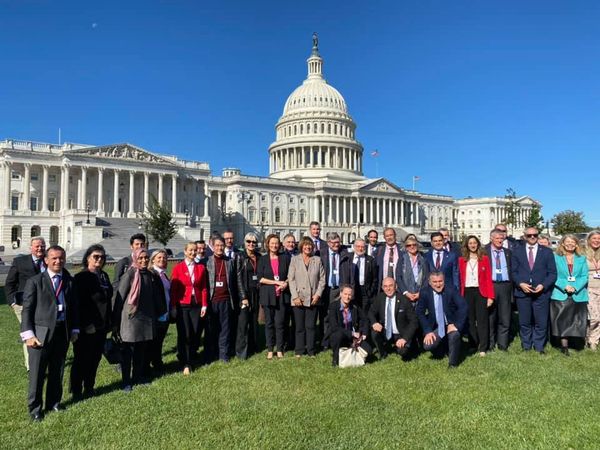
x,y
313,294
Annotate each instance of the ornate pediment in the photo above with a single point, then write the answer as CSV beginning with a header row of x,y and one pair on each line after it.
x,y
122,151
382,185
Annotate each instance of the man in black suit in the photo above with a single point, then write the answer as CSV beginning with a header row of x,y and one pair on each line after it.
x,y
373,243
449,244
363,275
136,241
315,235
393,320
23,268
388,257
230,251
442,313
337,265
501,310
50,319
441,260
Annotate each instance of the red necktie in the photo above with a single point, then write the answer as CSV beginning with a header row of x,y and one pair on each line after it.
x,y
530,258
438,260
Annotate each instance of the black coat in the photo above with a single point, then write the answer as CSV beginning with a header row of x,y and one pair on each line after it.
x,y
344,269
94,300
21,270
406,319
371,285
266,293
360,322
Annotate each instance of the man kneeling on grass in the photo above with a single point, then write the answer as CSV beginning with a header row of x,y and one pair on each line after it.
x,y
443,314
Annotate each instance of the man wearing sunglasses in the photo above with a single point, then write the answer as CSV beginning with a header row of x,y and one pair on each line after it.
x,y
533,273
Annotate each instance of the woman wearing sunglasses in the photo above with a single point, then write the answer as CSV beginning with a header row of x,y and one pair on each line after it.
x,y
415,270
247,310
93,291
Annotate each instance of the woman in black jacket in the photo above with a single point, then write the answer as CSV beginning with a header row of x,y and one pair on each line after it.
x,y
93,291
247,310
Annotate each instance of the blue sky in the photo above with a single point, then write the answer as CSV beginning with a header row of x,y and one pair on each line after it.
x,y
473,97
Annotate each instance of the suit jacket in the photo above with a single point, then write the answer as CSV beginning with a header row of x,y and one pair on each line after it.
x,y
360,321
182,286
406,319
492,256
322,246
40,309
94,300
376,247
121,267
344,269
449,266
234,279
266,292
484,276
21,270
303,282
371,285
455,309
407,282
580,272
543,272
379,257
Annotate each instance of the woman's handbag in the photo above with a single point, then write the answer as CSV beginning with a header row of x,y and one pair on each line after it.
x,y
352,357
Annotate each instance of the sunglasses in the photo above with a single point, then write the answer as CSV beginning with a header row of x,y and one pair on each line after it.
x,y
143,257
410,245
251,242
97,257
532,235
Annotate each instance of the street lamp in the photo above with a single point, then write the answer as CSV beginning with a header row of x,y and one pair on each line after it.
x,y
87,209
187,216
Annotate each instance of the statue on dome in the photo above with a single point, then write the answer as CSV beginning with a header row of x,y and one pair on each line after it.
x,y
315,40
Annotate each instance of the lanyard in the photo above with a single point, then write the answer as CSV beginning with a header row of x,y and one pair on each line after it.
x,y
58,289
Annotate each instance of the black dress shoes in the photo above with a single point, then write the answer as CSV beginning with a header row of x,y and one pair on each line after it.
x,y
565,351
37,417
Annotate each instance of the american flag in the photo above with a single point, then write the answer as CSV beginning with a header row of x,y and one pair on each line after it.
x,y
375,153
416,178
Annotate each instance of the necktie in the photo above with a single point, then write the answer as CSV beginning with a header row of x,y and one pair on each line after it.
x,y
530,258
438,260
439,314
389,316
38,264
56,283
357,271
390,271
346,318
317,244
498,266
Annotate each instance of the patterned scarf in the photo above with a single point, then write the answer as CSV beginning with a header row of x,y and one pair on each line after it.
x,y
136,284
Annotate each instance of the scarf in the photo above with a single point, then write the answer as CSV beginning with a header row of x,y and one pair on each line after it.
x,y
408,276
136,284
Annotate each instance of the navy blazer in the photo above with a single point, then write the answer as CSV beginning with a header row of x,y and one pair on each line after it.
x,y
371,286
455,309
492,256
383,270
449,266
266,295
360,322
543,272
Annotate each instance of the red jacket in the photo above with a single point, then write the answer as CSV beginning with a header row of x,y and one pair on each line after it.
x,y
484,275
181,285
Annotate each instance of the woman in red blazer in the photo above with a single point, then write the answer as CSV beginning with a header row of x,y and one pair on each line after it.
x,y
476,287
189,298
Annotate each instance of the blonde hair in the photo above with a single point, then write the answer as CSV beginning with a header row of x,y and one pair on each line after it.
x,y
589,251
154,254
560,250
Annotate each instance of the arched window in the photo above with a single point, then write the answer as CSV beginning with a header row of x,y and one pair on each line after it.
x,y
35,231
277,215
252,215
292,216
15,236
308,128
302,216
53,235
264,215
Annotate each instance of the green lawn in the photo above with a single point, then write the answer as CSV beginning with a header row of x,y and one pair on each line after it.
x,y
505,400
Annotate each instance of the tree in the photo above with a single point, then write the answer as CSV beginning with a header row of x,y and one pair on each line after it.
x,y
512,208
159,222
535,217
569,221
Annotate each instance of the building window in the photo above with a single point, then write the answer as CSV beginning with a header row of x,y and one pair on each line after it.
x,y
33,203
264,215
52,178
52,204
277,215
35,231
15,236
35,176
252,215
14,202
302,216
53,235
292,216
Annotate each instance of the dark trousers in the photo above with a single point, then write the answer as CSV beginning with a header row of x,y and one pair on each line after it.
x,y
340,339
156,345
329,295
134,356
534,313
385,346
188,327
275,324
479,321
305,318
87,353
500,314
47,361
449,344
247,327
220,327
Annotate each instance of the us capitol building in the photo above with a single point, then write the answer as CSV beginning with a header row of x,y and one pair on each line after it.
x,y
75,195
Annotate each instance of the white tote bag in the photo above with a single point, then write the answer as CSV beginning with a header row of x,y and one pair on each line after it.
x,y
352,357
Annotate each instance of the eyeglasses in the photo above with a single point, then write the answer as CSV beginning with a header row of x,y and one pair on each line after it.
x,y
143,257
501,230
410,245
96,257
251,242
532,235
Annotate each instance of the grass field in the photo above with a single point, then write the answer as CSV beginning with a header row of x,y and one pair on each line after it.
x,y
505,400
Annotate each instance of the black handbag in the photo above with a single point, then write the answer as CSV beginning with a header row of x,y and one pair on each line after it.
x,y
112,351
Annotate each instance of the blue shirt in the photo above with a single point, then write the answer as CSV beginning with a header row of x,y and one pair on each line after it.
x,y
334,278
503,265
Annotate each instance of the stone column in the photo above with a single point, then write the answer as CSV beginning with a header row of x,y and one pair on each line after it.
x,y
160,188
384,211
206,199
377,211
100,206
354,217
396,212
401,207
146,191
323,217
131,211
345,212
115,212
174,193
416,214
64,203
337,209
45,188
7,181
26,187
371,215
83,192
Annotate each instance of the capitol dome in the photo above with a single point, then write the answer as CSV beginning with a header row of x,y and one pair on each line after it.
x,y
315,135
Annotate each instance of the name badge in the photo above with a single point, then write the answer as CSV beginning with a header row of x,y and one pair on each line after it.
x,y
499,271
596,276
219,284
254,277
276,277
571,279
335,272
392,264
60,307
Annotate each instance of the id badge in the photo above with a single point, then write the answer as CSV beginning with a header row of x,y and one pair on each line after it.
x,y
499,271
60,307
391,264
254,277
571,279
335,272
596,276
219,284
276,277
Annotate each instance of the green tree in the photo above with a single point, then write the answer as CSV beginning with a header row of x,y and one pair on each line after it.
x,y
511,208
159,222
569,221
535,217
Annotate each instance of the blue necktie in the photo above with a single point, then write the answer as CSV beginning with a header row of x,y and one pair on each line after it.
x,y
439,314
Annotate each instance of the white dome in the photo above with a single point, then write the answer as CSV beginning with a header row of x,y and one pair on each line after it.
x,y
315,93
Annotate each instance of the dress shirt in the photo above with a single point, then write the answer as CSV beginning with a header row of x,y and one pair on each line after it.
x,y
503,264
41,264
472,277
190,267
414,263
167,288
440,317
334,278
386,260
435,258
390,307
371,249
360,262
317,243
349,318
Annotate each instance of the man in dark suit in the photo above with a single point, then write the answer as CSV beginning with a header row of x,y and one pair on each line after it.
x,y
230,250
363,275
501,310
337,265
509,241
393,320
388,258
533,274
50,319
22,269
289,245
315,235
441,260
136,241
449,245
442,313
348,323
373,243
